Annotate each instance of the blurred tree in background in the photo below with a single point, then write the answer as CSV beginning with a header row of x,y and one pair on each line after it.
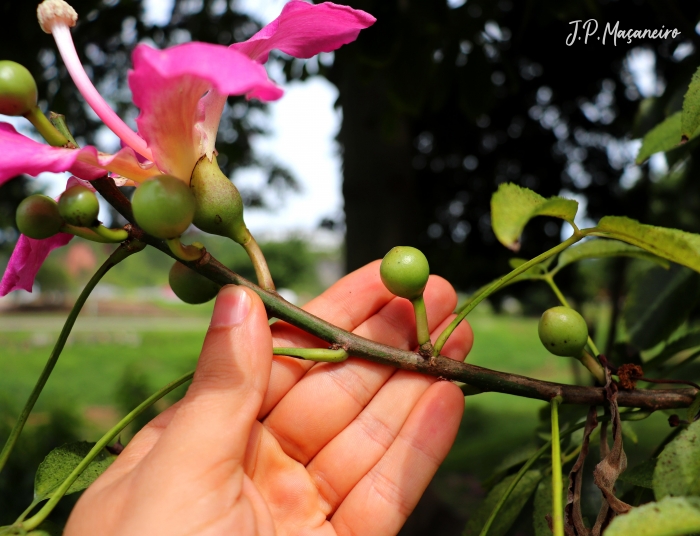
x,y
442,101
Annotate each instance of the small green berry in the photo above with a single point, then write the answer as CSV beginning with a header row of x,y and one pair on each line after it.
x,y
163,206
18,92
190,286
405,271
38,217
563,331
79,206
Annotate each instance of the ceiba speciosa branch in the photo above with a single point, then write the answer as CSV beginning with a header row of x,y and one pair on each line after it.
x,y
443,367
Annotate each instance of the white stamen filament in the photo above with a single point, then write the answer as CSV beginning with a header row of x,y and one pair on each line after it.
x,y
64,42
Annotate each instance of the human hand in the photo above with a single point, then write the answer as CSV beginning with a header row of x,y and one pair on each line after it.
x,y
283,446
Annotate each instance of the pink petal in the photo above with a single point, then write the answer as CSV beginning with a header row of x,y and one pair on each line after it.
x,y
19,154
168,85
26,259
303,30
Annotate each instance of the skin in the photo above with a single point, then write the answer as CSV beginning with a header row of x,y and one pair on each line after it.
x,y
262,445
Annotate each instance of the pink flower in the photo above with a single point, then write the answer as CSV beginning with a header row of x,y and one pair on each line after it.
x,y
180,91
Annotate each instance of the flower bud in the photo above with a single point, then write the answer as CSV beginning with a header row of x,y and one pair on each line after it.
x,y
163,206
38,217
219,207
79,206
18,92
405,271
190,286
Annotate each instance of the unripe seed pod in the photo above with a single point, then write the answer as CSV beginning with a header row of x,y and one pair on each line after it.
x,y
563,331
79,206
190,286
38,217
405,271
18,92
219,207
163,206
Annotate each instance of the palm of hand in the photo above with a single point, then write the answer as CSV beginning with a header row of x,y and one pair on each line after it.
x,y
289,447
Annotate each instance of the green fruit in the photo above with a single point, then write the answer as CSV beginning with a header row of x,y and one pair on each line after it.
x,y
18,92
38,217
219,207
79,206
405,272
190,286
563,331
163,206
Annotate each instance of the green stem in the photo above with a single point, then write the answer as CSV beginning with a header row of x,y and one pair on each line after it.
x,y
524,469
557,507
59,121
314,354
41,515
27,511
631,416
49,132
113,235
262,271
121,253
442,339
186,253
590,362
422,330
85,232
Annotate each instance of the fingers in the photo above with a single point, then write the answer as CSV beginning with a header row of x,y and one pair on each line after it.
x,y
213,422
329,397
347,304
380,503
349,456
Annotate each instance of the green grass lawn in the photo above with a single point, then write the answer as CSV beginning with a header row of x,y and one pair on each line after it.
x,y
108,356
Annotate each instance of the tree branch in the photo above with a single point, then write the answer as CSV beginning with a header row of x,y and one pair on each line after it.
x,y
440,366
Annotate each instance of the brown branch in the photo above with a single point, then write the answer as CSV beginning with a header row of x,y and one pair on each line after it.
x,y
482,378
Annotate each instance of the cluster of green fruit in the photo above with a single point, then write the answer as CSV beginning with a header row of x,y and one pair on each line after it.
x,y
404,271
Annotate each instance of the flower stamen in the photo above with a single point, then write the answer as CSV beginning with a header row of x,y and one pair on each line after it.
x,y
57,17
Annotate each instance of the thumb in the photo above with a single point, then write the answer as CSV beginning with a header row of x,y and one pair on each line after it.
x,y
218,412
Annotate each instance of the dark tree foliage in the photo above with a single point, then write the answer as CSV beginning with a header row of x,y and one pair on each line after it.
x,y
441,105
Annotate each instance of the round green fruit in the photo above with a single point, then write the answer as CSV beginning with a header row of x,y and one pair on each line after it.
x,y
38,217
79,206
563,331
405,272
190,286
18,92
163,206
219,207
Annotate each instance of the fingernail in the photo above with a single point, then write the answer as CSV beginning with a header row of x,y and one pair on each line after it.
x,y
231,308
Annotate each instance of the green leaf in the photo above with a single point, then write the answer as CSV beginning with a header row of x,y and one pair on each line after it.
x,y
641,475
685,342
672,516
543,505
60,462
690,119
510,510
677,472
658,303
672,244
512,207
694,408
663,137
595,249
